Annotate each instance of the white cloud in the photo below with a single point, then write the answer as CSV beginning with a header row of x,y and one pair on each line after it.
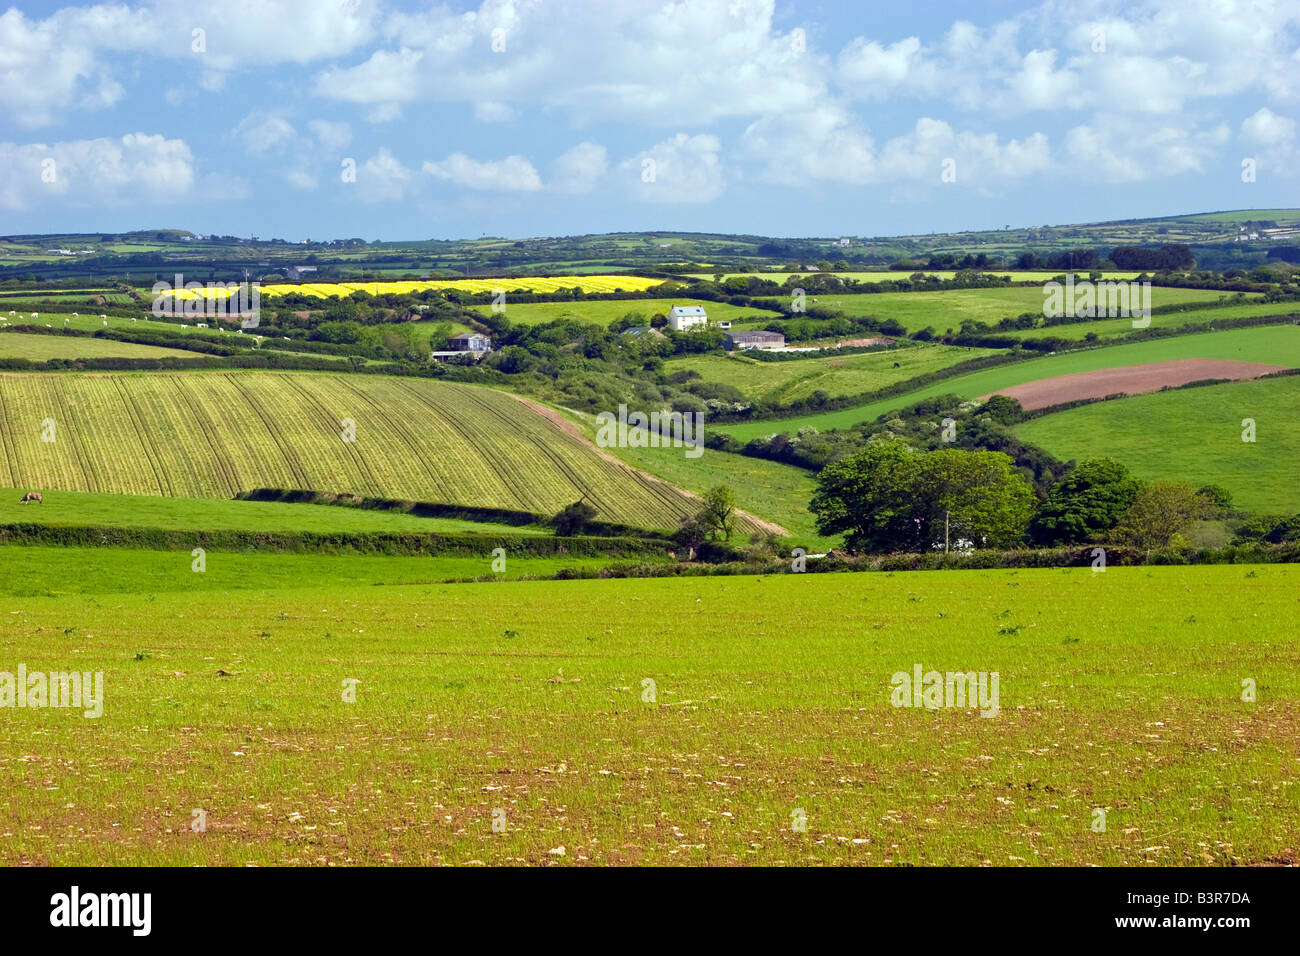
x,y
67,60
633,61
138,167
384,113
330,135
383,178
1274,141
683,169
514,173
1268,128
488,112
827,144
300,179
262,133
1115,149
1151,56
579,169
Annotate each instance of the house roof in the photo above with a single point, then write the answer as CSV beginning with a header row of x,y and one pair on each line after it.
x,y
687,310
763,334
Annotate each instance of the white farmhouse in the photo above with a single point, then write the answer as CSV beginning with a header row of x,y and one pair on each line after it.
x,y
682,318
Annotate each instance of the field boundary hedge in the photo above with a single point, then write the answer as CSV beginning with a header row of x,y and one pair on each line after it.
x,y
433,509
1076,557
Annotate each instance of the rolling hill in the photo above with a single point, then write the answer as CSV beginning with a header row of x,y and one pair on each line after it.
x,y
214,434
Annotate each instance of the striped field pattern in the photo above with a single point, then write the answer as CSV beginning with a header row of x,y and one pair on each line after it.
x,y
212,435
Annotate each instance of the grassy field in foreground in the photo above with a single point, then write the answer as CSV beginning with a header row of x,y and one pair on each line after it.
x,y
945,310
38,348
216,514
836,376
1271,344
603,312
1199,438
214,434
1119,691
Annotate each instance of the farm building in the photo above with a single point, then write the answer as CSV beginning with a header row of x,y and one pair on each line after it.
x,y
755,340
642,331
684,317
466,343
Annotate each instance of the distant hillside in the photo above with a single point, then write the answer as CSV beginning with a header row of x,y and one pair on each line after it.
x,y
1218,240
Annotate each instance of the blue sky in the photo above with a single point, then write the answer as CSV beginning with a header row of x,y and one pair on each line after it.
x,y
559,117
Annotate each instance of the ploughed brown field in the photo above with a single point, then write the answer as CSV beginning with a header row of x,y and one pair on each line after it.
x,y
1130,380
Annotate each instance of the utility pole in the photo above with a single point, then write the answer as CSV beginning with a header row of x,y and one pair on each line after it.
x,y
945,532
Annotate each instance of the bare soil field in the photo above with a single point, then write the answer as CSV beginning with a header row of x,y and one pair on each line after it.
x,y
1130,380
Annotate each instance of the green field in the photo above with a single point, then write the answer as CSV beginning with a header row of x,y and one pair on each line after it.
x,y
87,322
789,381
213,434
767,489
34,571
1273,345
1118,691
944,311
38,348
1110,329
599,312
1195,435
893,275
71,508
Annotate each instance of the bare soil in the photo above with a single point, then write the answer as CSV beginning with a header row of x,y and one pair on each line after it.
x,y
1130,380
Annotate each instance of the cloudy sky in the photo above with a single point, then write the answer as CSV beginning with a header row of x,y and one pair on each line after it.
x,y
398,120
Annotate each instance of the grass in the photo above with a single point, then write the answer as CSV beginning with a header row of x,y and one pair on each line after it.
x,y
772,491
85,321
790,381
71,508
1111,329
603,312
946,309
1273,345
1194,435
213,434
66,570
1119,691
1030,275
38,348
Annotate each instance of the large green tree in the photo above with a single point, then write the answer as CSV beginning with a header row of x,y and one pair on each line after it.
x,y
1086,503
1161,511
867,498
978,495
887,498
718,516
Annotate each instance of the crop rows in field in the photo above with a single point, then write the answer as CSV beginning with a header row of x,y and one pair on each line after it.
x,y
213,435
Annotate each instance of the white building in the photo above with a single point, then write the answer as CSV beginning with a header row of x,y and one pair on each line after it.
x,y
684,317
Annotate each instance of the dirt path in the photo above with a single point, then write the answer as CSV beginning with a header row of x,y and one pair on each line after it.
x,y
1129,380
570,428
